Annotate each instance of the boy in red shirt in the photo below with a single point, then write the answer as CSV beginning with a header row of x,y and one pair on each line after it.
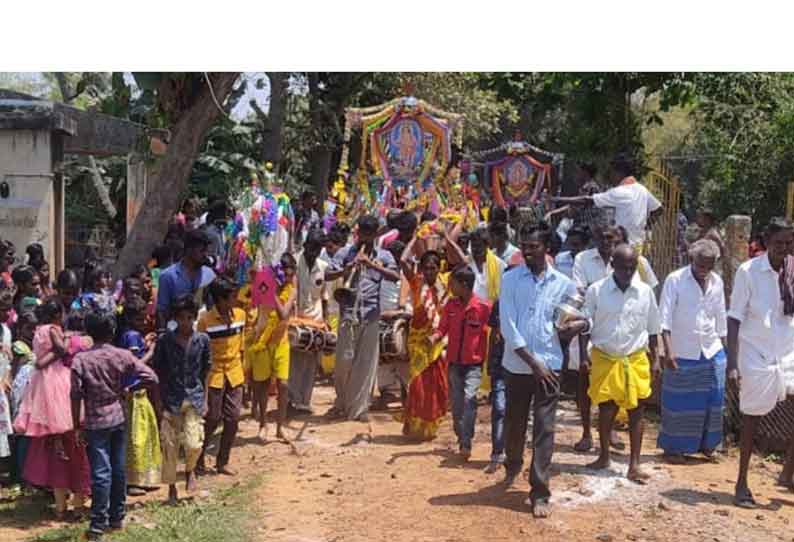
x,y
464,321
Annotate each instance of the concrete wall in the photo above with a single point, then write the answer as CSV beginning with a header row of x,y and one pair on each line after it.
x,y
27,215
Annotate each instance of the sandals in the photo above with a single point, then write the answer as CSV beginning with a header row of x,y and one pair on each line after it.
x,y
744,499
584,445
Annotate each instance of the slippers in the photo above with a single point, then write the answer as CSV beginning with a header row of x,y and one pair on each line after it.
x,y
744,499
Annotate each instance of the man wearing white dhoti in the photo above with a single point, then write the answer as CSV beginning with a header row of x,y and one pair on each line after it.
x,y
761,339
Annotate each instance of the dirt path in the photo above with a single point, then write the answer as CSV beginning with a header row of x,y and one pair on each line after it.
x,y
353,482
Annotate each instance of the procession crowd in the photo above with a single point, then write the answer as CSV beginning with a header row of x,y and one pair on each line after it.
x,y
105,386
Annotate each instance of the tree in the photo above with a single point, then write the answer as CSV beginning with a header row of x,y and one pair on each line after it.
x,y
189,106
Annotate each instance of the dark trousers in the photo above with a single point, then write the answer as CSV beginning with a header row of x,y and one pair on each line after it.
x,y
107,454
223,405
521,390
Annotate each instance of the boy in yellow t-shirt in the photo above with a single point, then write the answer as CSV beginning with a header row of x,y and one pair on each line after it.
x,y
270,350
225,326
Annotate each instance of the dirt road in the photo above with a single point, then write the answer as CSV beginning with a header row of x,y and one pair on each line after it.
x,y
354,482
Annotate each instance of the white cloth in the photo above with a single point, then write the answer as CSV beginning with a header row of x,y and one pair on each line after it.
x,y
766,337
589,268
564,227
389,295
563,263
696,320
621,322
633,203
332,286
312,288
481,277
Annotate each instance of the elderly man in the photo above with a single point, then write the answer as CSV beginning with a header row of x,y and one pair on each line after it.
x,y
693,330
761,341
532,360
624,325
589,267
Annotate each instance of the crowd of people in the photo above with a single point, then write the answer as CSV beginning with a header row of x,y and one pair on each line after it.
x,y
104,386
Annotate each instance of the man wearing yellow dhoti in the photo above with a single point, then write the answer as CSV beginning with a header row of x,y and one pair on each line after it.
x,y
625,323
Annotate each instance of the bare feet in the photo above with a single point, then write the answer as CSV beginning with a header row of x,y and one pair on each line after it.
x,y
281,435
225,470
262,433
599,464
465,454
638,476
190,482
743,498
615,442
541,509
584,445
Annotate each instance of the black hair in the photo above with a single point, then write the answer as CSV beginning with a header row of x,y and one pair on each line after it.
x,y
428,216
498,228
197,238
95,272
463,240
406,221
100,325
338,235
589,167
7,298
26,318
428,255
775,226
38,265
623,163
49,311
498,214
537,232
133,308
288,260
217,211
139,270
222,287
624,235
35,253
162,254
480,235
306,194
23,274
75,320
315,237
177,249
464,276
396,249
184,303
580,232
66,279
555,244
368,223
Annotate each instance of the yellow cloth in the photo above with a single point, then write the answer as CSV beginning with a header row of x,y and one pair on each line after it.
x,y
272,361
493,275
328,361
144,460
185,430
226,346
251,314
624,380
275,329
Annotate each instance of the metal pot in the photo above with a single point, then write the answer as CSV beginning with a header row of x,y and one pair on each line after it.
x,y
568,310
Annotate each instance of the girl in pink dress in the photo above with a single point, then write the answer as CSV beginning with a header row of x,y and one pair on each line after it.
x,y
54,458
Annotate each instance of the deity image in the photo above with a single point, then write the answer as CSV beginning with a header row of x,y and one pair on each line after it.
x,y
518,179
405,149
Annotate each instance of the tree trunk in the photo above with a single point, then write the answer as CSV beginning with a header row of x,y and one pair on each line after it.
x,y
275,118
100,187
169,177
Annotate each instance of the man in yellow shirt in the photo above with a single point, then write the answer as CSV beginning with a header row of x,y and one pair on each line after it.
x,y
225,326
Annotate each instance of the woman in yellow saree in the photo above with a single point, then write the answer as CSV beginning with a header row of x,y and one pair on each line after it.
x,y
428,389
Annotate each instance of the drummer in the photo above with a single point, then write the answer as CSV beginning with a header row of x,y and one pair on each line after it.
x,y
313,296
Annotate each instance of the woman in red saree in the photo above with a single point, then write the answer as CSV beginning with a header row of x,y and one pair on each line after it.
x,y
428,389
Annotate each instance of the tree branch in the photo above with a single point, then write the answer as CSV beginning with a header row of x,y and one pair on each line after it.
x,y
101,188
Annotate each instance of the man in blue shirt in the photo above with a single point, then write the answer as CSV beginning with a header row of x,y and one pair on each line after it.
x,y
188,276
532,359
358,344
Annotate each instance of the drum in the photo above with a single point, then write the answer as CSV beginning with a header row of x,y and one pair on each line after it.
x,y
310,336
329,346
393,340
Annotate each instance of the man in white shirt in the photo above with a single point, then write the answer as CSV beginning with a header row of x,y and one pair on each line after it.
x,y
313,298
761,342
576,242
589,267
693,330
634,205
624,325
499,238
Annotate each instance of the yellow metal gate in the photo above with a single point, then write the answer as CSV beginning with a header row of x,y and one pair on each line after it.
x,y
662,246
